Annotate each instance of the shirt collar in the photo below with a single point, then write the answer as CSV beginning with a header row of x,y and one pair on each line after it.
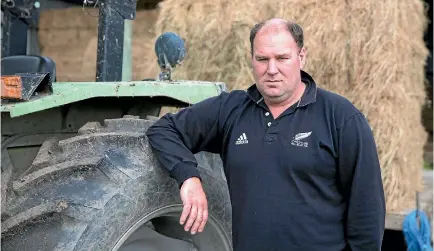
x,y
309,95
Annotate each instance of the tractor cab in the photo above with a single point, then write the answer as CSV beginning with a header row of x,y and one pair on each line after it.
x,y
31,77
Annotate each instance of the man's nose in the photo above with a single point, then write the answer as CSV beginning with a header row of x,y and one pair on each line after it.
x,y
272,68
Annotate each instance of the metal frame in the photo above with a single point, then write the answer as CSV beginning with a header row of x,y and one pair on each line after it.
x,y
17,17
114,54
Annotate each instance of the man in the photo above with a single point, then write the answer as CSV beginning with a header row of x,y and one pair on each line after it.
x,y
301,162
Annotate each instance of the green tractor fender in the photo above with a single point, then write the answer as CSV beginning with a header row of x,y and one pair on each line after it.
x,y
64,93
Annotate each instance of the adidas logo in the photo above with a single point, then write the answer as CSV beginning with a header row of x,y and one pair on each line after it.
x,y
242,140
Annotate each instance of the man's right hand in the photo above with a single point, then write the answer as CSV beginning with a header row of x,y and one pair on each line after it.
x,y
195,205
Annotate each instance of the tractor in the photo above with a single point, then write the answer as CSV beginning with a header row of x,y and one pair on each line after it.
x,y
77,172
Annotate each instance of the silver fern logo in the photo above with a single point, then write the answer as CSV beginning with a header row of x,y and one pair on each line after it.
x,y
296,141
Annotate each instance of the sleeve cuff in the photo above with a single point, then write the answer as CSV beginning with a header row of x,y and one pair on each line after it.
x,y
184,171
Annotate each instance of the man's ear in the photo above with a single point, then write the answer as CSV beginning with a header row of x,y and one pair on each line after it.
x,y
302,57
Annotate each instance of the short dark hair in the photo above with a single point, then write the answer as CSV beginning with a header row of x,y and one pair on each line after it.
x,y
295,30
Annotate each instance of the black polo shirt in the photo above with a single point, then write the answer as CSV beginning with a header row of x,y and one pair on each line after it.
x,y
307,180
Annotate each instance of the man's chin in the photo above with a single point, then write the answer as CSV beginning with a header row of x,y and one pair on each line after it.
x,y
273,94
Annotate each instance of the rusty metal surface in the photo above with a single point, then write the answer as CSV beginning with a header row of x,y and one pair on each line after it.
x,y
24,86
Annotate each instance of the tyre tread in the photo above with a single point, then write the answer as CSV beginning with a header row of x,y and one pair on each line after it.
x,y
33,213
112,156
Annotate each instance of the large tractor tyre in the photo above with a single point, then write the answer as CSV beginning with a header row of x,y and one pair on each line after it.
x,y
104,190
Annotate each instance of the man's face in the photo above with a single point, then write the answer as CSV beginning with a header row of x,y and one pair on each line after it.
x,y
277,61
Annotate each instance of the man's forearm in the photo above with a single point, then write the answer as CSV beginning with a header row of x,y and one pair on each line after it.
x,y
365,223
169,147
175,138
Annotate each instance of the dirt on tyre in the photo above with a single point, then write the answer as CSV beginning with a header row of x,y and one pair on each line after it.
x,y
104,190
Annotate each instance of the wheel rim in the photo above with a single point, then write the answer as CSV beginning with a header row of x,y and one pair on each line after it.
x,y
160,230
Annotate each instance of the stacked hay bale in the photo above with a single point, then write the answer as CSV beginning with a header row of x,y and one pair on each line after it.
x,y
70,36
371,52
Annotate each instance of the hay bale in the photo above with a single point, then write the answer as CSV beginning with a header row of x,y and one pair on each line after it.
x,y
69,36
370,51
388,86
